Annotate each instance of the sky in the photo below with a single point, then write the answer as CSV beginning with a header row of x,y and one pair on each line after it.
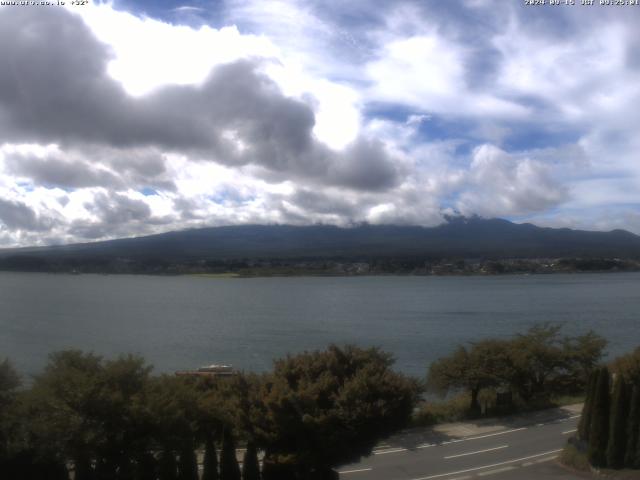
x,y
137,117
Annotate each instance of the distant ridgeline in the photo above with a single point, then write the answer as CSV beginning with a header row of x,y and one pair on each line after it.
x,y
459,246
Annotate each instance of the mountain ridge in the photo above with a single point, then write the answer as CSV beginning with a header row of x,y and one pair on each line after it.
x,y
459,237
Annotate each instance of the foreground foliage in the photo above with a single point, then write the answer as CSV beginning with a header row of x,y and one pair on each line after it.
x,y
609,430
530,368
112,419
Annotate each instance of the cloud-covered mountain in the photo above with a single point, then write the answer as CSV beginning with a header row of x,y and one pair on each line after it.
x,y
458,237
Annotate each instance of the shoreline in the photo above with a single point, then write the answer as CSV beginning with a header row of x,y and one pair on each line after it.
x,y
302,274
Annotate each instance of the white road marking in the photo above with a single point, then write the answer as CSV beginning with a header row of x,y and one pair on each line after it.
x,y
395,450
475,453
488,466
490,435
497,470
458,440
566,432
355,471
548,459
384,449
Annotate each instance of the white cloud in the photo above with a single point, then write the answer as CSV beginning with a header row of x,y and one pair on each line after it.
x,y
499,184
303,143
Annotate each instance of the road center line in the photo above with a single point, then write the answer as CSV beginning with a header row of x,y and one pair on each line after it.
x,y
486,436
547,459
488,466
355,471
497,470
395,450
566,432
475,453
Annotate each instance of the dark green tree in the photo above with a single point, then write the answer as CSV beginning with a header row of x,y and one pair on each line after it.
x,y
599,430
9,382
581,357
629,366
327,408
250,465
538,358
229,468
587,409
636,463
617,443
485,364
62,408
146,467
633,426
188,464
167,465
210,467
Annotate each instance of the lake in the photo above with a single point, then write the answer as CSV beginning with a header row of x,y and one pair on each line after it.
x,y
186,321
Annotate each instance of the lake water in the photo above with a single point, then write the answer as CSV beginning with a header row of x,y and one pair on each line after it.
x,y
184,322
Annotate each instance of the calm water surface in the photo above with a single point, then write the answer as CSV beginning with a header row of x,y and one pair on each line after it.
x,y
184,322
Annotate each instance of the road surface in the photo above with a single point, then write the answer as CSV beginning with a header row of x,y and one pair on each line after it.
x,y
521,450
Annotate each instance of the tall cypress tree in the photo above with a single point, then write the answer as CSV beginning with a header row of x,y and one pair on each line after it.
x,y
250,465
167,466
229,468
617,443
599,423
636,460
210,467
188,464
585,419
146,467
633,425
83,469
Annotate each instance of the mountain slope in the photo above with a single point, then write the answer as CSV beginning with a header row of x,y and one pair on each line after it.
x,y
459,237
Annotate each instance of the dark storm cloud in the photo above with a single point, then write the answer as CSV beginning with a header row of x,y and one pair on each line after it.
x,y
52,90
117,209
322,203
58,172
116,215
19,216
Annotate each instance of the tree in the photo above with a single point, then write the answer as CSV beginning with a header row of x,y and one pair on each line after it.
x,y
173,404
537,357
167,465
327,408
633,427
629,366
484,365
62,406
581,357
617,425
587,409
599,429
636,463
250,465
87,410
188,464
146,467
229,469
210,467
534,365
9,382
9,379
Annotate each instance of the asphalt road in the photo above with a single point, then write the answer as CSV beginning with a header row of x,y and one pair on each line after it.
x,y
519,452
